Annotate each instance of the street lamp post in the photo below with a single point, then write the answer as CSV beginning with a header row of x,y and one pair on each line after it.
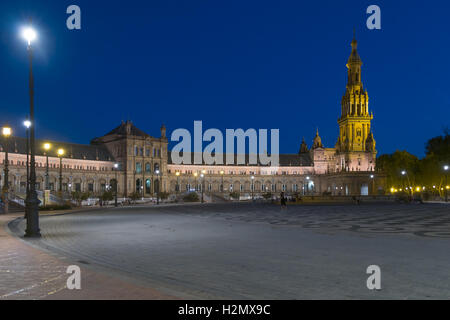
x,y
178,182
60,155
32,230
307,185
195,180
27,124
252,186
404,172
372,177
115,168
6,134
446,182
157,190
202,178
222,186
47,147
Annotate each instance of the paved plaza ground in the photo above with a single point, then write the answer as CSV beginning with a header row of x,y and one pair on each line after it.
x,y
237,251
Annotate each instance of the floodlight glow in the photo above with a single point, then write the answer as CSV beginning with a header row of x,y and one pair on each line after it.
x,y
29,34
7,131
27,123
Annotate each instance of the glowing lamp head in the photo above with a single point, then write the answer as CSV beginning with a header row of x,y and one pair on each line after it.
x,y
27,124
157,171
29,35
403,172
116,165
47,146
222,172
177,174
445,168
61,152
6,131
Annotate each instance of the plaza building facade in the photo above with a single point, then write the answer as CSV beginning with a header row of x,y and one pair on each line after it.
x,y
142,163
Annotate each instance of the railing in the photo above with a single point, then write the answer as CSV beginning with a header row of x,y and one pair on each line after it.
x,y
52,197
12,197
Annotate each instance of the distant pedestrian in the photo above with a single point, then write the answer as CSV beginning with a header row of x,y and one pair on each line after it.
x,y
283,201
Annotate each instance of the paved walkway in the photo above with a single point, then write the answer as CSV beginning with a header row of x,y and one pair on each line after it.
x,y
252,251
30,273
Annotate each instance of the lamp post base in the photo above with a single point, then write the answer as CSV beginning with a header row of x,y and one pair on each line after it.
x,y
32,214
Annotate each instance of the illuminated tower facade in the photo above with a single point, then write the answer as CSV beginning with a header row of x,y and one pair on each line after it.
x,y
356,145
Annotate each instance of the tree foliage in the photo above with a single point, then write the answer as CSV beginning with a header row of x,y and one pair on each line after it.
x,y
426,172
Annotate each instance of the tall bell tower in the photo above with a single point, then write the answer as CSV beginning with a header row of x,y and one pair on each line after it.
x,y
355,134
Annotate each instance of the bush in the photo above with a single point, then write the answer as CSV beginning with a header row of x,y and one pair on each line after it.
x,y
107,196
191,197
163,195
235,195
267,195
56,207
427,196
135,196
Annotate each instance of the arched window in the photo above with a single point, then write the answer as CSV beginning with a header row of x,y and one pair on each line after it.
x,y
148,167
156,167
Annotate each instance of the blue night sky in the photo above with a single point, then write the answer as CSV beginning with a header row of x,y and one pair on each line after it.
x,y
232,64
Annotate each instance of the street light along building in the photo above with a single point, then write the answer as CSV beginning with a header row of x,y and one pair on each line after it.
x,y
145,163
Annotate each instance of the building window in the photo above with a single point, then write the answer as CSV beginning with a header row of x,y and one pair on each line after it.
x,y
91,187
138,167
148,167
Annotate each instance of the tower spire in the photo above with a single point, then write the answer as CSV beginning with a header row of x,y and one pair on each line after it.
x,y
355,120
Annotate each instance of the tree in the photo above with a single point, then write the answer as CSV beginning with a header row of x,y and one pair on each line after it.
x,y
79,197
439,147
135,196
393,164
426,172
